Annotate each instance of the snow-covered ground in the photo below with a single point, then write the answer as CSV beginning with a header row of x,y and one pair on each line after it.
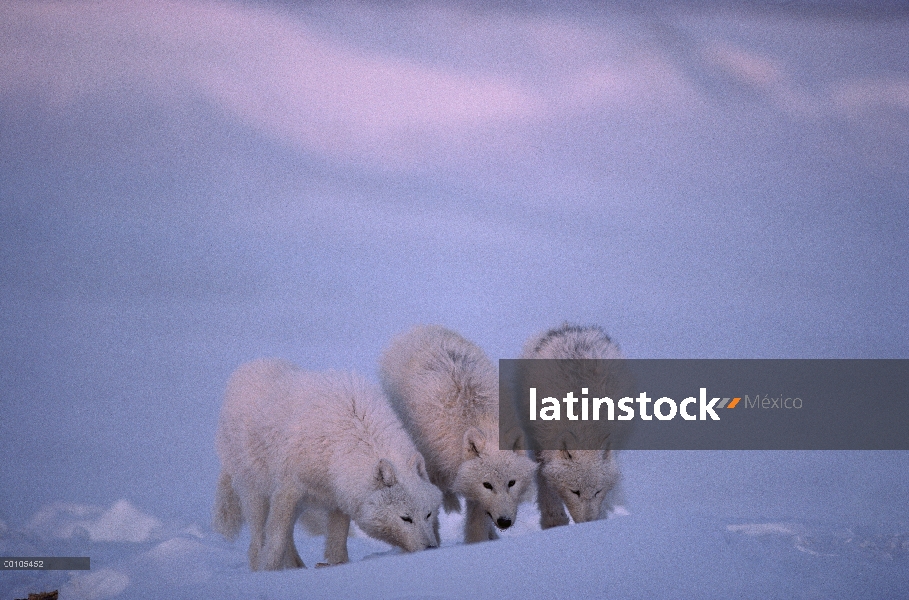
x,y
185,186
676,553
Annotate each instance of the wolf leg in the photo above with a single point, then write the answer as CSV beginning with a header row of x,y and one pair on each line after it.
x,y
552,510
477,524
279,551
336,538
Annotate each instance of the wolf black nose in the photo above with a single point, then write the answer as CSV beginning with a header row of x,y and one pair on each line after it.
x,y
503,523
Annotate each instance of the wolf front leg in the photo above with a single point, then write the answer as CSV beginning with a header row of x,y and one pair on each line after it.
x,y
336,537
477,524
552,509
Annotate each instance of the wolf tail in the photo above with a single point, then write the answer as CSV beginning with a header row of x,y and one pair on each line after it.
x,y
228,517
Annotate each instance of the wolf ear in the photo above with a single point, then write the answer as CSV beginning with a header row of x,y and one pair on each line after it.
x,y
474,442
564,452
607,450
385,474
419,465
516,437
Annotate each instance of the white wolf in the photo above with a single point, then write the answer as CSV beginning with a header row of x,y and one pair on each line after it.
x,y
290,439
577,479
445,390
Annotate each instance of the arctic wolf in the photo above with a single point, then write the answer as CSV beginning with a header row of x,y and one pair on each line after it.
x,y
445,390
290,439
577,479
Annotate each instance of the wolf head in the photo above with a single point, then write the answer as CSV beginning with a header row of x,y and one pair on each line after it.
x,y
581,478
498,480
403,508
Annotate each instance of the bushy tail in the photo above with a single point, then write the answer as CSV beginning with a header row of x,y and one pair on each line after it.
x,y
228,518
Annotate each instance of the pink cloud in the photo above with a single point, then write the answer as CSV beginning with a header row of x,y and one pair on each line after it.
x,y
269,70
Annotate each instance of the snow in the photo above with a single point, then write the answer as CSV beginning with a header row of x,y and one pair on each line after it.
x,y
185,186
121,523
625,556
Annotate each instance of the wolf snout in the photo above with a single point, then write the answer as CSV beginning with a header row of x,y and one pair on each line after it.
x,y
503,523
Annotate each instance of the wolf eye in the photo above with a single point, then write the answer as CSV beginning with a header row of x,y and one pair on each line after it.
x,y
487,485
597,493
428,515
407,519
511,483
576,493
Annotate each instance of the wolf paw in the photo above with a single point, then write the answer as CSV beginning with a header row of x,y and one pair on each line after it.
x,y
548,520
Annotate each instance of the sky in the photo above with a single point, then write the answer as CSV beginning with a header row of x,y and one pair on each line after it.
x,y
185,186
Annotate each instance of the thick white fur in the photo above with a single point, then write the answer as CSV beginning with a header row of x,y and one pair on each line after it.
x,y
445,389
577,479
290,439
